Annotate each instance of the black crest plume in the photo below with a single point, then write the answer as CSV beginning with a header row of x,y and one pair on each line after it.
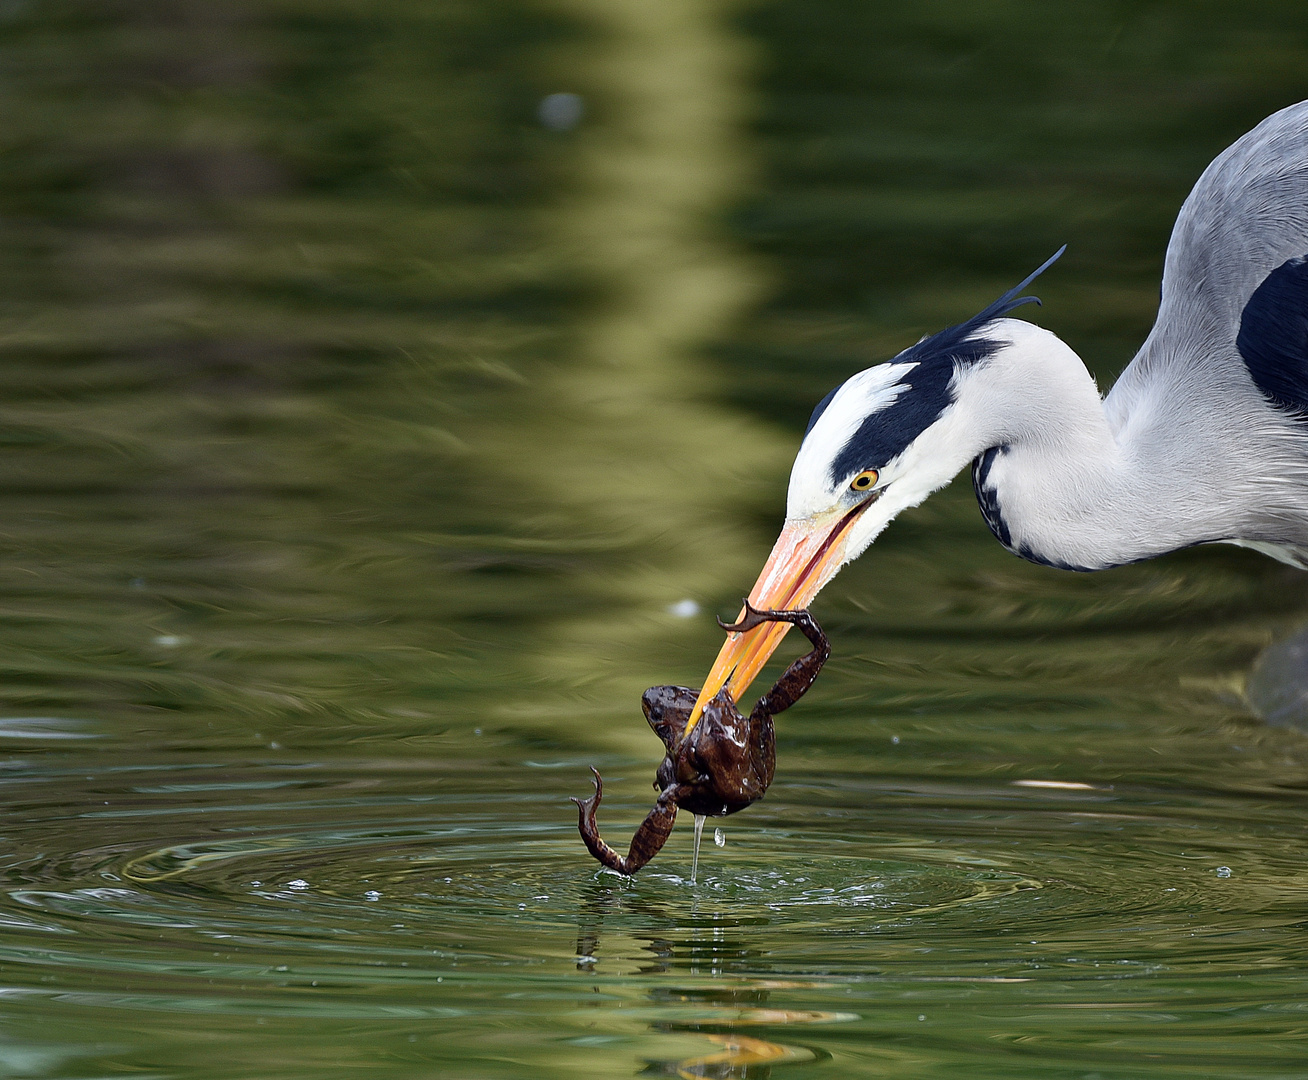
x,y
887,433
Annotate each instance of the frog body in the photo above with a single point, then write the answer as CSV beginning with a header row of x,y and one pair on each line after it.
x,y
724,764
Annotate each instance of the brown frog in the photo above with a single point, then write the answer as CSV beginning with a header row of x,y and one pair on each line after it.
x,y
725,763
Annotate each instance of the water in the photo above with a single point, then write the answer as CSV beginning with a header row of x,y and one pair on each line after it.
x,y
694,856
374,432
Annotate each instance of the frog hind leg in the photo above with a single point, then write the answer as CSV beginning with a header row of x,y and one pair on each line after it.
x,y
797,678
649,839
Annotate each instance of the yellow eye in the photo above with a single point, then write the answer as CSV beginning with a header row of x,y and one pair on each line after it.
x,y
864,480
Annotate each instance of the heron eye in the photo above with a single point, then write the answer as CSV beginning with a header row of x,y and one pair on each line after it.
x,y
864,480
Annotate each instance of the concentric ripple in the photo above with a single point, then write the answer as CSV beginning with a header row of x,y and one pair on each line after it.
x,y
840,910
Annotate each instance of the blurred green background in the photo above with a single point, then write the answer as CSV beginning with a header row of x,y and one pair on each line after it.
x,y
378,383
313,326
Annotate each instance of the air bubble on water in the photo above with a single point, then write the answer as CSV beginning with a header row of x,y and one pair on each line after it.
x,y
1223,871
298,883
719,838
372,894
921,1016
522,907
894,739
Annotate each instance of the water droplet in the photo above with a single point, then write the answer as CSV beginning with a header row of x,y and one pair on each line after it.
x,y
1223,871
894,739
169,640
719,838
921,1016
684,609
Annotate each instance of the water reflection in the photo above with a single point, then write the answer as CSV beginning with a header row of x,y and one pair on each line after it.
x,y
721,1013
710,945
1277,684
624,432
740,1056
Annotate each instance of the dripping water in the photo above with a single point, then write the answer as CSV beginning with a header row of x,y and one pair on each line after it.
x,y
694,861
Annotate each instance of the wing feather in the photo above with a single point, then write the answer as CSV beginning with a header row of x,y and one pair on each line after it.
x,y
1247,215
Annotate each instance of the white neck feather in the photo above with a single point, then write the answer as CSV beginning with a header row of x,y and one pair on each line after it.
x,y
1080,487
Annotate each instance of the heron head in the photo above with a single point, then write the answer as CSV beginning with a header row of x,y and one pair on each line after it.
x,y
879,443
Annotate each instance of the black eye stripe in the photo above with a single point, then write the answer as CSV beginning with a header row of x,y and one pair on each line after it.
x,y
928,387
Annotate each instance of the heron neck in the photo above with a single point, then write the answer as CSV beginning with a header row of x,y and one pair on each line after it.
x,y
1059,483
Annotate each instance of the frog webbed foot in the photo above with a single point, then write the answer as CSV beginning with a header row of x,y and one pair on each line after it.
x,y
649,839
752,618
800,675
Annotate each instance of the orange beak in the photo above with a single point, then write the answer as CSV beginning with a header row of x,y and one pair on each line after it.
x,y
805,557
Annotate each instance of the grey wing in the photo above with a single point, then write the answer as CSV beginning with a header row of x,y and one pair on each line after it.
x,y
1247,215
1220,385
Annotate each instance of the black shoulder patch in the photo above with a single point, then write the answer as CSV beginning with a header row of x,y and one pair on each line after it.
x,y
1273,338
886,434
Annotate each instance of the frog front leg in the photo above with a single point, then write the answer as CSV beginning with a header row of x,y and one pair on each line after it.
x,y
649,839
800,675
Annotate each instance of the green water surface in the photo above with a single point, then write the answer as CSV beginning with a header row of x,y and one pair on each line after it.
x,y
362,438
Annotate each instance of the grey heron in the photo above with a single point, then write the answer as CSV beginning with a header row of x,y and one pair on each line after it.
x,y
1203,438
